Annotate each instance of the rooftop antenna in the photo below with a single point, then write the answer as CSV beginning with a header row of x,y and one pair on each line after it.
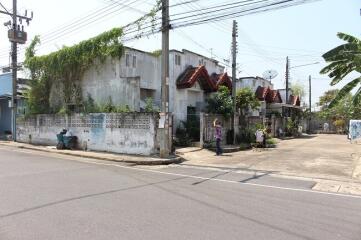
x,y
270,74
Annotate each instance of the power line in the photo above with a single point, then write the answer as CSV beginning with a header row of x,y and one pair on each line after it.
x,y
184,35
70,29
215,8
4,8
234,14
220,26
82,22
193,19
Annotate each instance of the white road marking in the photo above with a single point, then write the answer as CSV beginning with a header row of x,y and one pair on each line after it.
x,y
191,176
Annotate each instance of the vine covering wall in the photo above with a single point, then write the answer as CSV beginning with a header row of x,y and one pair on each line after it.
x,y
64,69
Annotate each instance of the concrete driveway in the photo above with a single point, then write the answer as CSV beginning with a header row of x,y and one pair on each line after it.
x,y
330,157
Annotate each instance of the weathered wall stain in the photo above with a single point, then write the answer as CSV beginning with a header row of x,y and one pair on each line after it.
x,y
131,133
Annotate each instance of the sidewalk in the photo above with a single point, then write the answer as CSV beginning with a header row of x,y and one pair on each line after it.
x,y
133,159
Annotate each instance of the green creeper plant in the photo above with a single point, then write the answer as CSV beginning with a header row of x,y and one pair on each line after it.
x,y
67,65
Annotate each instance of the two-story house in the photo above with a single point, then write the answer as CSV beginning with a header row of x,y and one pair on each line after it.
x,y
136,76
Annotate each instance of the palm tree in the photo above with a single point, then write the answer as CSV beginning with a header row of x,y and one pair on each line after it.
x,y
343,60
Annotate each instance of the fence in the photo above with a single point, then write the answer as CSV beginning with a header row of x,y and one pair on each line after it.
x,y
207,129
131,133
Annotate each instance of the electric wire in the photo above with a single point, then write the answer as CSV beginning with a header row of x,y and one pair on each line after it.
x,y
194,19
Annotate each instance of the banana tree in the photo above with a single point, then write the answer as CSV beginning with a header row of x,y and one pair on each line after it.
x,y
343,60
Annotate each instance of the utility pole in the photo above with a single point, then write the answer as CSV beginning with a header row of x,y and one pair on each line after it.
x,y
14,63
164,143
309,93
16,35
309,99
234,77
287,78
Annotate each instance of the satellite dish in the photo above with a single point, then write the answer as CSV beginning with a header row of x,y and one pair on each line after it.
x,y
270,74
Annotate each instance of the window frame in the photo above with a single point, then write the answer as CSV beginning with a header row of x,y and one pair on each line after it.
x,y
178,60
127,60
134,61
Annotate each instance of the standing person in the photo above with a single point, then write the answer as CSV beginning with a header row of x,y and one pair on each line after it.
x,y
218,136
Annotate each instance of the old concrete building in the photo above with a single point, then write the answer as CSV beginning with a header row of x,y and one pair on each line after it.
x,y
192,78
253,83
136,76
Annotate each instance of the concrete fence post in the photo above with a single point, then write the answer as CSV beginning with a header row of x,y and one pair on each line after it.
x,y
236,127
67,124
273,129
201,129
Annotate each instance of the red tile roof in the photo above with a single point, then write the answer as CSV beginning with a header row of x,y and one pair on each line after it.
x,y
295,100
268,95
208,83
224,80
261,93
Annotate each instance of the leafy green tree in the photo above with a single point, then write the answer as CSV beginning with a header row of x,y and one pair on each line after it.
x,y
327,98
298,89
220,102
343,60
246,99
343,110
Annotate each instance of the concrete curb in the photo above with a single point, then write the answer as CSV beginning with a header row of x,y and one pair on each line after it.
x,y
152,161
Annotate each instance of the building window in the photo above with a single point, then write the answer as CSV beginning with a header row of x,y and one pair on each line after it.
x,y
202,62
147,93
127,60
177,60
134,61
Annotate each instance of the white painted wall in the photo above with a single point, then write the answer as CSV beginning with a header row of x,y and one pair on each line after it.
x,y
253,83
180,99
123,83
120,133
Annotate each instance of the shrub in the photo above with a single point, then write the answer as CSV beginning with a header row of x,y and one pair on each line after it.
x,y
244,146
340,125
182,137
271,141
246,135
89,105
149,106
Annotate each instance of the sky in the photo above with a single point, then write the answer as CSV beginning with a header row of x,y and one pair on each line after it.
x,y
302,32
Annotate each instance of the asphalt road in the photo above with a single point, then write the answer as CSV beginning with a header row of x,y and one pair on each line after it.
x,y
47,197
